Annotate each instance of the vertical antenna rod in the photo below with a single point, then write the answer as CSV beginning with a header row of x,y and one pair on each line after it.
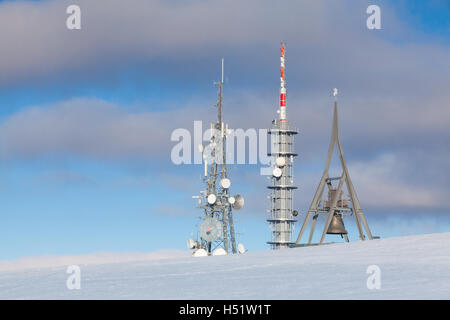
x,y
220,99
222,70
283,83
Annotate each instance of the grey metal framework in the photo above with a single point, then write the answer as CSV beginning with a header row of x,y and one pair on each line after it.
x,y
281,220
222,208
335,207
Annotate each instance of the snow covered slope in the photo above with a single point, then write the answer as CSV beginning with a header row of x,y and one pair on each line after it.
x,y
415,267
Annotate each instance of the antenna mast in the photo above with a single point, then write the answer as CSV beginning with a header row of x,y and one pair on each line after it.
x,y
217,235
281,214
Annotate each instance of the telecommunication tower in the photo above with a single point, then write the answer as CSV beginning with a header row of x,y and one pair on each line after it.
x,y
281,214
216,234
335,207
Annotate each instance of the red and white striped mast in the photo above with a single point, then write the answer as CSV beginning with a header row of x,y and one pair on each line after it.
x,y
282,216
283,83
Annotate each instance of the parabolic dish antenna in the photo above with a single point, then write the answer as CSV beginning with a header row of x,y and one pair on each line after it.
x,y
238,202
277,172
211,198
281,162
211,229
225,183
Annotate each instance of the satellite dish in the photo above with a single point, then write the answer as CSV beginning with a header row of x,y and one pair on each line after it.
x,y
211,229
239,202
231,200
219,252
335,92
281,161
225,183
277,172
200,253
241,248
191,244
212,198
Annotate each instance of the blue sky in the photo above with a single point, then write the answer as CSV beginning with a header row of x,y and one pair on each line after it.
x,y
86,115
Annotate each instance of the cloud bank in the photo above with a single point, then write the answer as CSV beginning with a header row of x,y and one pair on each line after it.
x,y
394,100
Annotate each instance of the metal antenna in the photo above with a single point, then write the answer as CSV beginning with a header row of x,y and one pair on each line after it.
x,y
217,234
222,71
281,214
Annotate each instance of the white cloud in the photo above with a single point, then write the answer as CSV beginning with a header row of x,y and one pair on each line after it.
x,y
86,127
39,44
93,128
393,100
327,42
380,184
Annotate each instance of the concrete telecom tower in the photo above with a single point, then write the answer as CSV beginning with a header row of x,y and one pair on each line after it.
x,y
281,214
216,234
335,207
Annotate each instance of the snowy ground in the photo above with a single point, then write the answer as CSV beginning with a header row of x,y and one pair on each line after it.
x,y
416,267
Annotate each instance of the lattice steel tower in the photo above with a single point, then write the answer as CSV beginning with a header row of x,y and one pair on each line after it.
x,y
216,233
281,214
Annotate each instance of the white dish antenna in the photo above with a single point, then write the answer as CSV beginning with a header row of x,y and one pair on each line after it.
x,y
281,161
211,229
277,172
231,200
212,198
241,248
225,183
